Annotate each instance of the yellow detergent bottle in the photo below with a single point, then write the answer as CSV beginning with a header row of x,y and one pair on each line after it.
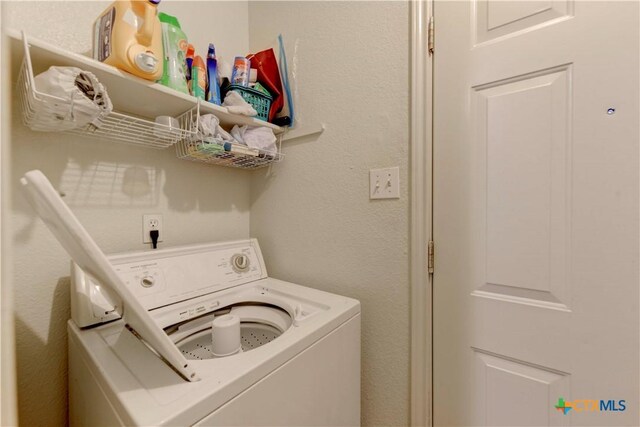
x,y
128,36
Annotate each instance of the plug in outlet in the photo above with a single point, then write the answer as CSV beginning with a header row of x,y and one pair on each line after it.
x,y
151,222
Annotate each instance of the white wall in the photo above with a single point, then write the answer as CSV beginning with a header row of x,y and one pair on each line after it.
x,y
313,217
109,186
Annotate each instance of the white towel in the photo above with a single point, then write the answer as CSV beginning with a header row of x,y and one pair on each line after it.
x,y
236,105
259,137
209,125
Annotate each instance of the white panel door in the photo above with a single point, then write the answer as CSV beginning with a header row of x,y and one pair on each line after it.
x,y
536,213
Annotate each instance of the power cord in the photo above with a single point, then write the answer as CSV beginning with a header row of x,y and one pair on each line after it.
x,y
154,234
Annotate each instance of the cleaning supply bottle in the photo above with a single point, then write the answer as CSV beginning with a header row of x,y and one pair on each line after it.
x,y
241,70
174,42
198,78
128,36
191,51
213,88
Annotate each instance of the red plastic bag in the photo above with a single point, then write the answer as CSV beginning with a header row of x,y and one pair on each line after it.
x,y
269,77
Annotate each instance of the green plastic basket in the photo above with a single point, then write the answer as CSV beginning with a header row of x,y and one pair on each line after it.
x,y
258,100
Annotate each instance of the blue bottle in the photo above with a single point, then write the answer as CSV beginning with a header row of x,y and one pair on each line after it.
x,y
213,91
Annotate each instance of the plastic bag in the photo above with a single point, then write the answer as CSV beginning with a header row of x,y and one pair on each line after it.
x,y
269,76
83,100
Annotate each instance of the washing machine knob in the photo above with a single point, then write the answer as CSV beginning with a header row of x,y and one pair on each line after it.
x,y
147,281
240,263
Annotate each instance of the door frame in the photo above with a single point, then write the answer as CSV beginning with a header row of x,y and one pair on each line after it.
x,y
8,378
421,224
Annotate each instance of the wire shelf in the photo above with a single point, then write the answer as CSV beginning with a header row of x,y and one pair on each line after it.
x,y
227,154
219,152
41,112
48,113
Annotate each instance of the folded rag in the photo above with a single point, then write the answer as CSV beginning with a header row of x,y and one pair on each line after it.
x,y
255,137
237,105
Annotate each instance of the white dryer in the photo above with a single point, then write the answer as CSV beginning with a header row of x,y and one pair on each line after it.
x,y
142,350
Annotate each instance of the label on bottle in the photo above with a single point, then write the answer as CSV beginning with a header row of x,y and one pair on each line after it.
x,y
199,82
103,31
182,58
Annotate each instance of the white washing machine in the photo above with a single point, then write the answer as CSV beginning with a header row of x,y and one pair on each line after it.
x,y
147,331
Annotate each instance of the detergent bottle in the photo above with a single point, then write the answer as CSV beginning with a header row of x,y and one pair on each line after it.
x,y
128,36
174,42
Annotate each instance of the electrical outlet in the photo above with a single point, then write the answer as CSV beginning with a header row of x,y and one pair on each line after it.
x,y
151,222
384,183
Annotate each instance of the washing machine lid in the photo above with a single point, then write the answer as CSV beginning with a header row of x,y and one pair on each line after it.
x,y
87,255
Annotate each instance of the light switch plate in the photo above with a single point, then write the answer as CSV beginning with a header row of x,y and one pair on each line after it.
x,y
384,183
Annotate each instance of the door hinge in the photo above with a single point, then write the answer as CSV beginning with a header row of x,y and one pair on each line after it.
x,y
431,36
430,257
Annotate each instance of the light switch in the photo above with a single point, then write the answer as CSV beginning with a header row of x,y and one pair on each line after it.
x,y
384,183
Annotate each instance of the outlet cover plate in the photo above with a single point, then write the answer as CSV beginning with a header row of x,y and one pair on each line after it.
x,y
150,222
384,183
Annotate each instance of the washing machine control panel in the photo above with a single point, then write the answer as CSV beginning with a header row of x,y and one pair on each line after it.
x,y
167,276
166,280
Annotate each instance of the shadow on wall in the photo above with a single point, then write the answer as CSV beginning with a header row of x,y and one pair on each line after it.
x,y
88,172
93,173
36,356
190,186
104,182
104,179
262,179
